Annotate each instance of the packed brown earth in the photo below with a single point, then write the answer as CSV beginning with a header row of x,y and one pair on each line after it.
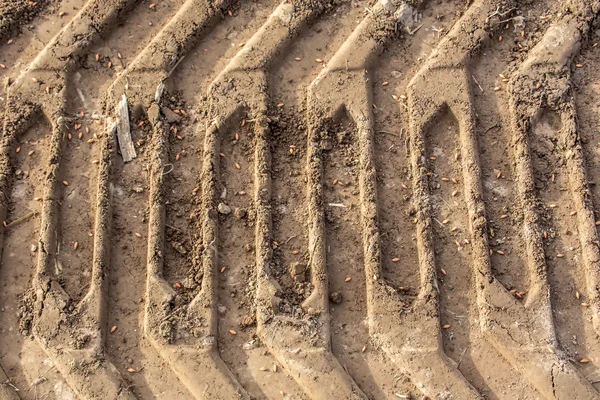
x,y
311,199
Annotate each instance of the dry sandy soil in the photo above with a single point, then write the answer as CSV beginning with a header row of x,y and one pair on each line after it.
x,y
330,199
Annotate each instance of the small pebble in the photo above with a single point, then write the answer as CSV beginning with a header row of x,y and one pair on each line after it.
x,y
224,209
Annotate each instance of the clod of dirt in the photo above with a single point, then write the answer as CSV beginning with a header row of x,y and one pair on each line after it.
x,y
405,16
344,137
179,248
248,321
298,271
170,115
189,283
249,345
239,213
335,297
153,113
224,209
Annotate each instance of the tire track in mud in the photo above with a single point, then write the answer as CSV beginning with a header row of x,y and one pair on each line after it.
x,y
230,248
399,254
126,346
17,350
396,213
78,100
348,303
453,57
240,246
400,264
450,233
497,173
234,246
586,82
489,74
348,74
191,78
288,82
101,64
347,289
547,141
561,240
47,283
76,216
587,88
207,290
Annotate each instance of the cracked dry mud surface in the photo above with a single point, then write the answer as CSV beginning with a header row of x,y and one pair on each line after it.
x,y
357,199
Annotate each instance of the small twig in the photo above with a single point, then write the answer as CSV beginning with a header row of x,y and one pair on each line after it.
x,y
507,12
495,12
412,32
389,133
171,170
290,238
42,378
480,88
444,200
128,271
492,127
9,383
21,219
175,66
437,30
172,227
506,20
461,357
438,221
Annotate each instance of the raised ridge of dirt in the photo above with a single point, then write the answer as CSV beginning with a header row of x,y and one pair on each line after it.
x,y
328,199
